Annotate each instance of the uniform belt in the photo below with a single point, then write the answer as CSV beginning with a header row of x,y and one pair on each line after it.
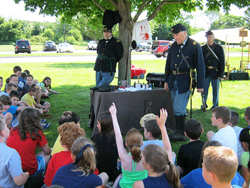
x,y
109,61
211,67
175,72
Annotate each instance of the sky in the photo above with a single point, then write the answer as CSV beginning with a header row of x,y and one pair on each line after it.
x,y
8,9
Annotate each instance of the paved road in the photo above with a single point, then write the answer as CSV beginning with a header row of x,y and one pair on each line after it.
x,y
74,58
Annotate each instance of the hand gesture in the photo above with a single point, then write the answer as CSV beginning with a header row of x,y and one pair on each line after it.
x,y
163,117
113,109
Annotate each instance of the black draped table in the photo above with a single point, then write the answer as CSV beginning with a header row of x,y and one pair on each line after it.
x,y
131,106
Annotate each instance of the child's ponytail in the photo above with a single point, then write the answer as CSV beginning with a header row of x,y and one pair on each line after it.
x,y
173,176
136,153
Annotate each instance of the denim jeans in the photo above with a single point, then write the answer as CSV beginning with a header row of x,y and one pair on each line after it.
x,y
180,101
215,86
104,78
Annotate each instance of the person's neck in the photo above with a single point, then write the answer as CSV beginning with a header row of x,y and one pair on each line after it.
x,y
222,185
151,173
210,43
2,139
152,138
193,140
220,126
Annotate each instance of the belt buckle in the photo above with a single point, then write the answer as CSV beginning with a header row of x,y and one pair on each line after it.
x,y
210,67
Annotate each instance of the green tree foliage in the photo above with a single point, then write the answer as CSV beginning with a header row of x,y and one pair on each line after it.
x,y
49,33
228,21
36,30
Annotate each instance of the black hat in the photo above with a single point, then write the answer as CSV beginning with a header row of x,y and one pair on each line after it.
x,y
178,28
107,28
110,18
209,33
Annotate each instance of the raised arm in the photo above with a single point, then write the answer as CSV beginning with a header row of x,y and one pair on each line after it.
x,y
118,136
161,122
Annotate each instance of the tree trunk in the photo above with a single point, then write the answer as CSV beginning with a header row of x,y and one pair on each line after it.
x,y
125,35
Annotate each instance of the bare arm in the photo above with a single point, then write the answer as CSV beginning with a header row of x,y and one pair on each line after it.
x,y
245,174
138,184
161,122
21,179
210,134
46,149
39,106
118,136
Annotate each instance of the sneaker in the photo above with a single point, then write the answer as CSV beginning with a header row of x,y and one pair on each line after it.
x,y
43,120
45,125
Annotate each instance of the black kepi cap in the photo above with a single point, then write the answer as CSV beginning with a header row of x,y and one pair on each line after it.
x,y
209,33
107,28
178,28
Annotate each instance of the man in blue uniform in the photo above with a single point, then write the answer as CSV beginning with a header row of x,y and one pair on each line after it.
x,y
184,56
215,63
109,52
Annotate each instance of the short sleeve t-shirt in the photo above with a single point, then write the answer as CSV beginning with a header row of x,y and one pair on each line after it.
x,y
245,159
68,178
26,149
29,99
10,166
227,137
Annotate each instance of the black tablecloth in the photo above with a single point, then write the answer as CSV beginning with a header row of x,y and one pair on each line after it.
x,y
131,106
239,76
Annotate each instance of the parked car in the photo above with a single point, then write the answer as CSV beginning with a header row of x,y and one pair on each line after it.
x,y
22,46
161,47
49,46
64,47
143,47
92,45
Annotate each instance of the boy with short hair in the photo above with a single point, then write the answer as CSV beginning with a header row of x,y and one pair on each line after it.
x,y
1,85
247,116
17,70
189,154
8,116
233,123
29,80
225,135
9,87
11,171
1,109
219,166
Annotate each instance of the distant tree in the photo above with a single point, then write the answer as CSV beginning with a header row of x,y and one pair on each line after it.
x,y
212,16
228,21
36,30
48,33
76,34
247,18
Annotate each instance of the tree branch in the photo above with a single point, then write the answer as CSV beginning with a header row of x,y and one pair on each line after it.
x,y
97,4
114,3
140,10
158,9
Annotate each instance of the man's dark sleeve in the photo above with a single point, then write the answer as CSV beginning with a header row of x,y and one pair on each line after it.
x,y
118,50
200,67
221,62
167,66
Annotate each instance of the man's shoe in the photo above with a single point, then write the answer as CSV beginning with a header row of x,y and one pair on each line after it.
x,y
177,137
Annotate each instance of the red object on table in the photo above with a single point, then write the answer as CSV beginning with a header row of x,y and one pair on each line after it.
x,y
135,72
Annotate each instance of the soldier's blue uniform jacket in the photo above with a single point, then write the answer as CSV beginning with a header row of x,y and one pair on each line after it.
x,y
109,53
193,54
210,60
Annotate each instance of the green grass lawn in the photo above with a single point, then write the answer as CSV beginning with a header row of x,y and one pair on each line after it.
x,y
73,81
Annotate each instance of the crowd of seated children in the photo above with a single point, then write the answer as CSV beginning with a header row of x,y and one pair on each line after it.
x,y
195,179
106,150
233,123
80,173
11,171
67,116
158,161
219,167
220,118
245,159
132,168
68,132
1,85
25,138
189,154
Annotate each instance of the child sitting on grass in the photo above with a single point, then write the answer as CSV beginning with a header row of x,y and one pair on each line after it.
x,y
225,135
189,154
80,173
132,168
1,85
69,132
11,171
219,166
158,162
25,138
47,84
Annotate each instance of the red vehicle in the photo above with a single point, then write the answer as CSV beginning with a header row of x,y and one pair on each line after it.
x,y
161,47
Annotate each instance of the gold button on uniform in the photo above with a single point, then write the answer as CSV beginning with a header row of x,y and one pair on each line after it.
x,y
177,55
